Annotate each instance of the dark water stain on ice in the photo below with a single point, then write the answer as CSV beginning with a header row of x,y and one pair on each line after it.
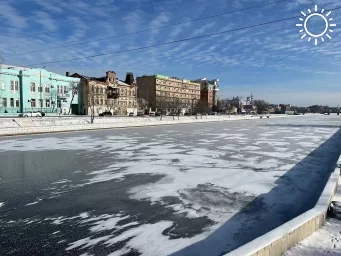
x,y
111,197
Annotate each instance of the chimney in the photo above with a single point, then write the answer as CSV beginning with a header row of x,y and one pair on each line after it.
x,y
129,78
67,73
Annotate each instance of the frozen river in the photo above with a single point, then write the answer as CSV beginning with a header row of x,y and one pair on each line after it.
x,y
196,189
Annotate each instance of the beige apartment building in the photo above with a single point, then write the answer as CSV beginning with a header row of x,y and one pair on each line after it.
x,y
108,94
169,94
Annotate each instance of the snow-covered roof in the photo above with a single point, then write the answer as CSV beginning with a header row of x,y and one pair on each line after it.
x,y
121,83
5,66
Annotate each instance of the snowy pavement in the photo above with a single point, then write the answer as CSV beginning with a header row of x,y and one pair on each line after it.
x,y
327,240
196,189
324,242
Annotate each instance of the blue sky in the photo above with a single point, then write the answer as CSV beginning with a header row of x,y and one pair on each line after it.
x,y
271,61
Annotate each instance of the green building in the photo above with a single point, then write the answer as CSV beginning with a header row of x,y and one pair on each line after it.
x,y
31,89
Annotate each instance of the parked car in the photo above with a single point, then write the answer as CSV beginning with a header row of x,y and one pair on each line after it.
x,y
140,114
42,113
31,114
151,113
131,114
157,114
106,113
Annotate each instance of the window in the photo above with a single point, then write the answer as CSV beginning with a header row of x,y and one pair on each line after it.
x,y
16,88
101,101
40,88
33,103
97,90
47,103
12,85
3,86
47,88
59,104
11,102
17,103
33,87
40,103
65,89
58,89
4,102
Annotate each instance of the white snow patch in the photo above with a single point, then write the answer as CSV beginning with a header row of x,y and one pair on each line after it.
x,y
2,204
326,241
35,202
107,224
62,181
157,244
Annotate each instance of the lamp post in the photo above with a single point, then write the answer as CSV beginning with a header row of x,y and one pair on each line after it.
x,y
41,92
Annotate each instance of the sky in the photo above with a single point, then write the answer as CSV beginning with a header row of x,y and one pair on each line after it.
x,y
271,61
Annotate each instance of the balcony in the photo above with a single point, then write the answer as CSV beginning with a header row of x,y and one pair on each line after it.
x,y
112,93
61,96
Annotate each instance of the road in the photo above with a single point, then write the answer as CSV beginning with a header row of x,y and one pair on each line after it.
x,y
195,189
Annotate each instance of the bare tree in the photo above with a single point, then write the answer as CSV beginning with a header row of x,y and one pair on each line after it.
x,y
74,91
202,108
261,106
229,109
91,101
175,105
142,104
110,105
162,105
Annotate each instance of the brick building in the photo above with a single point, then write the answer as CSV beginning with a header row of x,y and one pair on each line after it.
x,y
209,92
168,94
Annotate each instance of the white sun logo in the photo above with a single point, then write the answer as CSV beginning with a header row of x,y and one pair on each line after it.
x,y
325,18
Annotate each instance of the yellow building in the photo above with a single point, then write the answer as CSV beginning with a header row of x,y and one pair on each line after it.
x,y
168,93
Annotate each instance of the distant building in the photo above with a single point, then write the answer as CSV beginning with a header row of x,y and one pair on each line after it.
x,y
209,92
283,108
108,94
168,93
236,102
248,106
30,89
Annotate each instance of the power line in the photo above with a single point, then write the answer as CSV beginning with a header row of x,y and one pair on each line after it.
x,y
151,29
176,41
167,43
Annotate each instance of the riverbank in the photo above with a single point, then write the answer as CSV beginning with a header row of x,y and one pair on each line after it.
x,y
22,126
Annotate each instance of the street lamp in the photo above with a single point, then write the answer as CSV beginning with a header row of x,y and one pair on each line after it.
x,y
41,92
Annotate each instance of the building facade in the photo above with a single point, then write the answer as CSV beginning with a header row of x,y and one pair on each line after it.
x,y
168,94
209,92
108,94
25,89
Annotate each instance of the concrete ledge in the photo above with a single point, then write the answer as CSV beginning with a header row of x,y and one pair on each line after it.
x,y
110,124
279,240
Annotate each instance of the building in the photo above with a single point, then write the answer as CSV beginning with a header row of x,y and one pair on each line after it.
x,y
108,94
29,89
248,106
209,92
168,94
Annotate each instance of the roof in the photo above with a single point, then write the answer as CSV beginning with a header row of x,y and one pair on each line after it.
x,y
121,83
5,66
99,79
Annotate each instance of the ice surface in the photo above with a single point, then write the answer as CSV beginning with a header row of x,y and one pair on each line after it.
x,y
208,172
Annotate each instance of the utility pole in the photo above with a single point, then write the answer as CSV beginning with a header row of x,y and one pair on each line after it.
x,y
41,93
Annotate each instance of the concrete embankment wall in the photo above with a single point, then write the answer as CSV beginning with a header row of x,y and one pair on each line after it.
x,y
281,239
20,126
